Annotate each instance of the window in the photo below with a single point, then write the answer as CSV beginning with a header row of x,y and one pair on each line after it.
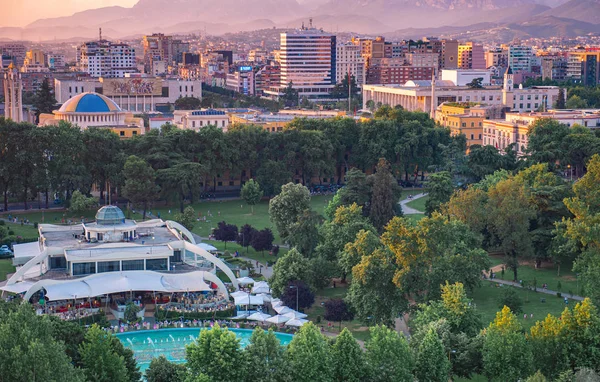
x,y
176,258
156,264
220,184
121,133
58,262
132,265
479,136
193,123
472,137
231,183
83,269
134,133
108,266
472,124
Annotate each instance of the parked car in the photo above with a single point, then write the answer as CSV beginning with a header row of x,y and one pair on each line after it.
x,y
5,252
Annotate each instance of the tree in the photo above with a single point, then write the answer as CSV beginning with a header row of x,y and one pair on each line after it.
x,y
99,360
476,83
537,377
384,198
356,189
337,310
290,95
266,355
131,311
226,232
348,359
309,356
44,100
216,354
388,356
506,353
261,240
286,208
81,203
133,370
182,180
468,206
432,364
245,235
304,234
104,158
28,350
511,298
251,193
140,183
290,267
365,244
187,218
560,102
440,191
187,103
162,370
576,102
298,295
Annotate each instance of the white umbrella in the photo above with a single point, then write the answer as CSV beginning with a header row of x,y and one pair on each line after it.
x,y
245,280
261,287
266,297
275,301
282,309
296,322
239,294
206,247
294,314
258,316
278,319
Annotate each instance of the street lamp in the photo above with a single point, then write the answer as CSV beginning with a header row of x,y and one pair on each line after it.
x,y
295,287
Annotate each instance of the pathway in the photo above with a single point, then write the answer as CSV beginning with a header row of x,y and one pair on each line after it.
x,y
409,210
540,290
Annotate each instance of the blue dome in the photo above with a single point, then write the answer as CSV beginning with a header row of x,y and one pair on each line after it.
x,y
110,215
89,103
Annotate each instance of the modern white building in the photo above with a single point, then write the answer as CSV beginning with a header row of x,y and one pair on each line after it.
x,y
461,77
104,58
113,255
197,119
349,61
133,93
308,62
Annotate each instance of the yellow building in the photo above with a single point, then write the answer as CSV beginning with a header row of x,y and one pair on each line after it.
x,y
463,118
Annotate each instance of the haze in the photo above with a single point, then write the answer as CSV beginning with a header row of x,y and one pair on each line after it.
x,y
18,13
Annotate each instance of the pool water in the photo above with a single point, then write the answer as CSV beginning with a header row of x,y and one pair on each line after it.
x,y
148,344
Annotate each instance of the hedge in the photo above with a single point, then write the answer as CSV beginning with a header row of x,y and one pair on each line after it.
x,y
161,314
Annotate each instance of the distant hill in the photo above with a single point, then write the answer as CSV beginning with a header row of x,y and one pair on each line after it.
x,y
582,10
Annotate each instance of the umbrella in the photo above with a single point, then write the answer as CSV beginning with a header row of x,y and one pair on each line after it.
x,y
206,247
296,322
278,319
238,294
245,280
266,297
282,309
261,287
259,316
294,314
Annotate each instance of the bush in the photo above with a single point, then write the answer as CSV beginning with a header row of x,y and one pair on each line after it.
x,y
558,294
131,311
2,222
161,314
11,232
305,297
35,225
511,299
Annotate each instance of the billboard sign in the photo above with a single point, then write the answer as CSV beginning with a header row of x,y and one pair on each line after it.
x,y
132,86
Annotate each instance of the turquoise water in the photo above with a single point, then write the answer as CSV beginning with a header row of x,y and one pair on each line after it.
x,y
148,344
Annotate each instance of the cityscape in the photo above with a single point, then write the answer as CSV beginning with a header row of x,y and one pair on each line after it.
x,y
311,190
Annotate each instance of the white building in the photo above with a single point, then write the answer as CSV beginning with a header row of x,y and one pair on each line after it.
x,y
55,60
241,81
106,59
349,60
136,94
197,119
308,62
461,77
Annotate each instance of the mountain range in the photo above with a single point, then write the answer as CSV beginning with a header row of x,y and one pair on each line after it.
x,y
397,18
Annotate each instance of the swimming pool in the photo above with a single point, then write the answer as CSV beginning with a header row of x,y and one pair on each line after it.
x,y
148,344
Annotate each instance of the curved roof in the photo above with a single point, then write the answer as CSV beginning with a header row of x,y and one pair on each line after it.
x,y
89,103
110,215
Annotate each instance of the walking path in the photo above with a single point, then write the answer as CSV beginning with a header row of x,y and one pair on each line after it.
x,y
409,210
541,290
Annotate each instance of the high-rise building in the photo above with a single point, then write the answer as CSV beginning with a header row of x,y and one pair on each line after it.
x,y
449,54
519,58
496,57
471,56
34,57
157,47
584,66
55,60
104,58
308,62
554,67
13,94
349,61
15,51
241,80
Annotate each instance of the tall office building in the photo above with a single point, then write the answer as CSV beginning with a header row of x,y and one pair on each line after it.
x,y
519,58
449,54
157,48
496,57
349,60
583,66
13,94
15,51
308,62
471,56
104,58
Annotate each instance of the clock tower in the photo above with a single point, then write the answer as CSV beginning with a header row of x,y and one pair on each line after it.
x,y
507,90
13,94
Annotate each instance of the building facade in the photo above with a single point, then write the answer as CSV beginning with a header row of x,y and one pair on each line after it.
x,y
349,61
13,94
519,58
197,119
106,59
471,56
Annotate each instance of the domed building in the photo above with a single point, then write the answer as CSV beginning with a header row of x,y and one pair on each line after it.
x,y
95,110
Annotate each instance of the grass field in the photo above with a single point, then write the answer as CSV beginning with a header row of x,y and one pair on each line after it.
x,y
418,204
486,299
6,267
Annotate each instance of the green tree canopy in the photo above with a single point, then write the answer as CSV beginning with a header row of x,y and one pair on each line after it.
x,y
290,267
348,359
286,208
100,362
388,356
162,370
309,355
432,364
140,187
251,193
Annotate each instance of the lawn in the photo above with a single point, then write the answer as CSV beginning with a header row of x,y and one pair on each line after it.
x,y
486,299
6,267
418,204
547,274
26,231
358,329
262,257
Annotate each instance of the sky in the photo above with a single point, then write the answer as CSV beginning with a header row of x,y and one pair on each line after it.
x,y
18,13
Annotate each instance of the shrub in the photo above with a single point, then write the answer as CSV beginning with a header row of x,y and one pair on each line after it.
x,y
11,232
511,299
35,225
2,222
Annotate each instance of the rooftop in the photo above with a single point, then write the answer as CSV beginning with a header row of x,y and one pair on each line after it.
x,y
89,103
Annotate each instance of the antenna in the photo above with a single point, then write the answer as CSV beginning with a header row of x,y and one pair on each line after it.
x,y
310,22
100,33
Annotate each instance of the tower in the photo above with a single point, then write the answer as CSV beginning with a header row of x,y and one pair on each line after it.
x,y
13,94
507,89
433,98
